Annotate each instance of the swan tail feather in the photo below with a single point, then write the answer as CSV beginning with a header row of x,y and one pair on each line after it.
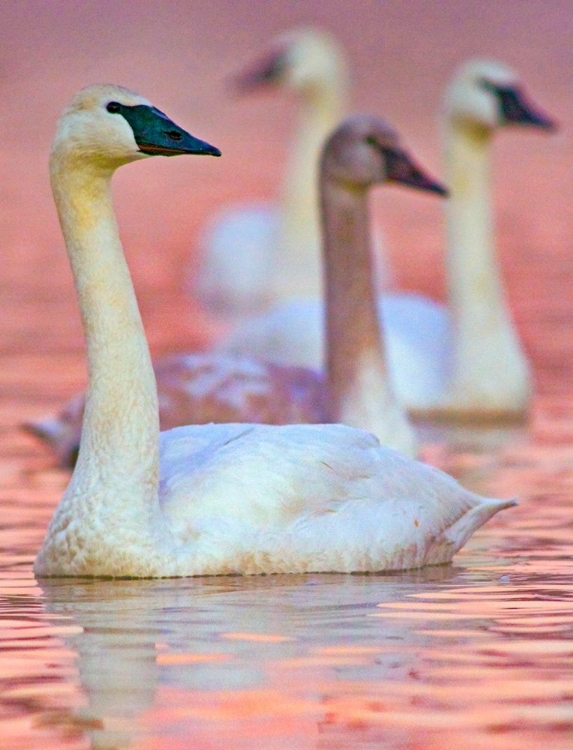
x,y
455,536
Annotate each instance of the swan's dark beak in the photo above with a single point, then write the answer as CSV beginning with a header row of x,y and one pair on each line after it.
x,y
400,168
157,135
59,437
265,70
516,109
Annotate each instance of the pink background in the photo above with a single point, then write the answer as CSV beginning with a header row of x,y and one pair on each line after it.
x,y
180,55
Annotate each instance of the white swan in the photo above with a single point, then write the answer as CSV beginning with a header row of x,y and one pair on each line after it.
x,y
279,244
223,498
353,386
464,360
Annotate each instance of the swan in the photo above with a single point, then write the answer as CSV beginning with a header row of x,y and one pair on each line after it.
x,y
279,244
353,387
209,499
463,361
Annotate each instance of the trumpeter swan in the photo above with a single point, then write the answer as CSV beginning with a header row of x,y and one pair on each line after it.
x,y
353,388
279,243
460,361
209,499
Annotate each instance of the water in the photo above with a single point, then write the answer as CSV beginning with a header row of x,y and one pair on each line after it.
x,y
473,655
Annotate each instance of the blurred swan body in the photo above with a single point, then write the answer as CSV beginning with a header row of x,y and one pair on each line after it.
x,y
210,499
460,361
353,387
279,245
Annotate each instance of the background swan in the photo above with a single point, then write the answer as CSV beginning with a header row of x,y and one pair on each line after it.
x,y
464,360
279,244
227,498
353,387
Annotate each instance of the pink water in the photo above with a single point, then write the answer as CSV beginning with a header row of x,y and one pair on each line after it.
x,y
473,655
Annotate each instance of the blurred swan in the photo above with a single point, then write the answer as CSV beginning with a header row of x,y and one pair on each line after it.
x,y
353,387
279,245
460,361
211,499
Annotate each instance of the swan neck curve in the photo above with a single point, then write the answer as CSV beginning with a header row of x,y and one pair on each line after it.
x,y
486,346
359,392
118,457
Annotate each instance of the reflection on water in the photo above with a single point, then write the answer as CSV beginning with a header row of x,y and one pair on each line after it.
x,y
466,655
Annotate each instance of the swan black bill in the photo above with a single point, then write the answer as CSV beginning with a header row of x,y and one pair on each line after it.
x,y
157,135
400,168
266,70
517,109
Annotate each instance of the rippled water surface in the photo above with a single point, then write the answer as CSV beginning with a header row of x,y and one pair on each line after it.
x,y
475,655
468,654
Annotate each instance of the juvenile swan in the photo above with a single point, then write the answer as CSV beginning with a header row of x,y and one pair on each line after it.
x,y
229,498
460,361
353,387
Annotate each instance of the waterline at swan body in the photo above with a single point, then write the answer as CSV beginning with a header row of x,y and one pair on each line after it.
x,y
463,360
224,498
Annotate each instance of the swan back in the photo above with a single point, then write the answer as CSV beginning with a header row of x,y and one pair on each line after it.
x,y
260,506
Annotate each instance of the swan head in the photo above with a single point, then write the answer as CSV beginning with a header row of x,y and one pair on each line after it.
x,y
364,151
62,433
485,95
305,60
108,126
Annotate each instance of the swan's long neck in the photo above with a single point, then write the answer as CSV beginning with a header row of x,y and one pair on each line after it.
x,y
359,393
118,461
300,265
489,369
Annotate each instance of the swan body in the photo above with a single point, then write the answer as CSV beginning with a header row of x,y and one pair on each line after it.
x,y
210,499
245,499
353,387
416,330
233,291
279,244
460,361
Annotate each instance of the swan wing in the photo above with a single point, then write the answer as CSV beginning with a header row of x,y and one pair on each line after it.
x,y
263,474
312,497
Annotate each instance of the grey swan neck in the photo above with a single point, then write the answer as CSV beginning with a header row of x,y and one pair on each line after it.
x,y
118,455
358,389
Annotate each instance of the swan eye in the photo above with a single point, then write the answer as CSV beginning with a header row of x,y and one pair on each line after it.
x,y
113,107
371,141
174,135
